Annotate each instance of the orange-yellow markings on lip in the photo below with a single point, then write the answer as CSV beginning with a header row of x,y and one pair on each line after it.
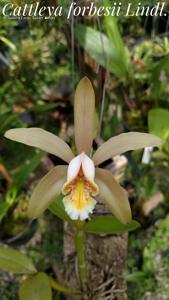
x,y
79,195
79,191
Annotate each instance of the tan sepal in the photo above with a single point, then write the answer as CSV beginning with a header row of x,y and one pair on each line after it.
x,y
47,190
84,107
124,142
113,195
41,139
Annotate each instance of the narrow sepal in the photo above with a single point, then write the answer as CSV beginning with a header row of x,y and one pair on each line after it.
x,y
124,142
42,139
113,195
84,106
47,191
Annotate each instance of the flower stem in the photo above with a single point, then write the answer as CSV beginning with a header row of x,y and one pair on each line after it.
x,y
80,248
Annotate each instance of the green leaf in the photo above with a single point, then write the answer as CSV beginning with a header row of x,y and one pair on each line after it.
x,y
157,85
19,180
12,260
158,122
44,107
7,120
135,276
111,27
8,43
36,287
3,209
61,288
163,64
101,49
57,208
109,224
27,169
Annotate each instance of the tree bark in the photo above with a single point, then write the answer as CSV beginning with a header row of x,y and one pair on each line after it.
x,y
106,263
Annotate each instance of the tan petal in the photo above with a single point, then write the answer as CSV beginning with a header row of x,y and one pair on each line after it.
x,y
124,142
46,191
42,139
113,195
84,106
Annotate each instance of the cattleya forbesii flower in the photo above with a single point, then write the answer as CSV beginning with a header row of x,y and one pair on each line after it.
x,y
81,180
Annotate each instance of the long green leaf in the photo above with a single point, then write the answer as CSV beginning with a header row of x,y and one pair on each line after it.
x,y
101,49
157,86
27,169
19,180
109,224
158,122
111,27
44,107
36,287
12,260
8,43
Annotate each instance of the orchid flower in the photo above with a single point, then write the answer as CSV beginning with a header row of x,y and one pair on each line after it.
x,y
81,180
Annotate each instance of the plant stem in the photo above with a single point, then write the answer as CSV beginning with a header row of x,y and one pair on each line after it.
x,y
80,248
58,287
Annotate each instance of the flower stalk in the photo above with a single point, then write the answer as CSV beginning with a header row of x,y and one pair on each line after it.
x,y
80,248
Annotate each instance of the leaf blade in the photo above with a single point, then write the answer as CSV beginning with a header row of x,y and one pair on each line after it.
x,y
109,225
101,49
11,260
36,287
158,122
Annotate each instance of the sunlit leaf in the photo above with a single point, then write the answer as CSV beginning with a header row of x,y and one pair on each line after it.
x,y
101,48
157,85
27,169
19,180
109,224
44,107
12,260
158,122
8,43
61,288
36,287
135,276
111,27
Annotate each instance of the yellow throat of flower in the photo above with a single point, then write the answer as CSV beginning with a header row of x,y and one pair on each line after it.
x,y
78,202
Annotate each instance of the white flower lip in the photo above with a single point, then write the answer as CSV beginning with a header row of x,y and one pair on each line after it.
x,y
76,213
79,187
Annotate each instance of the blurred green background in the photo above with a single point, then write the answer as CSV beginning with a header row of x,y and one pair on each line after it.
x,y
127,60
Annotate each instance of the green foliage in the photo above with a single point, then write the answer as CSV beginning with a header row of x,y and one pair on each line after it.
x,y
19,180
112,30
26,170
12,260
158,122
101,48
109,224
36,287
157,248
152,277
8,43
102,224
